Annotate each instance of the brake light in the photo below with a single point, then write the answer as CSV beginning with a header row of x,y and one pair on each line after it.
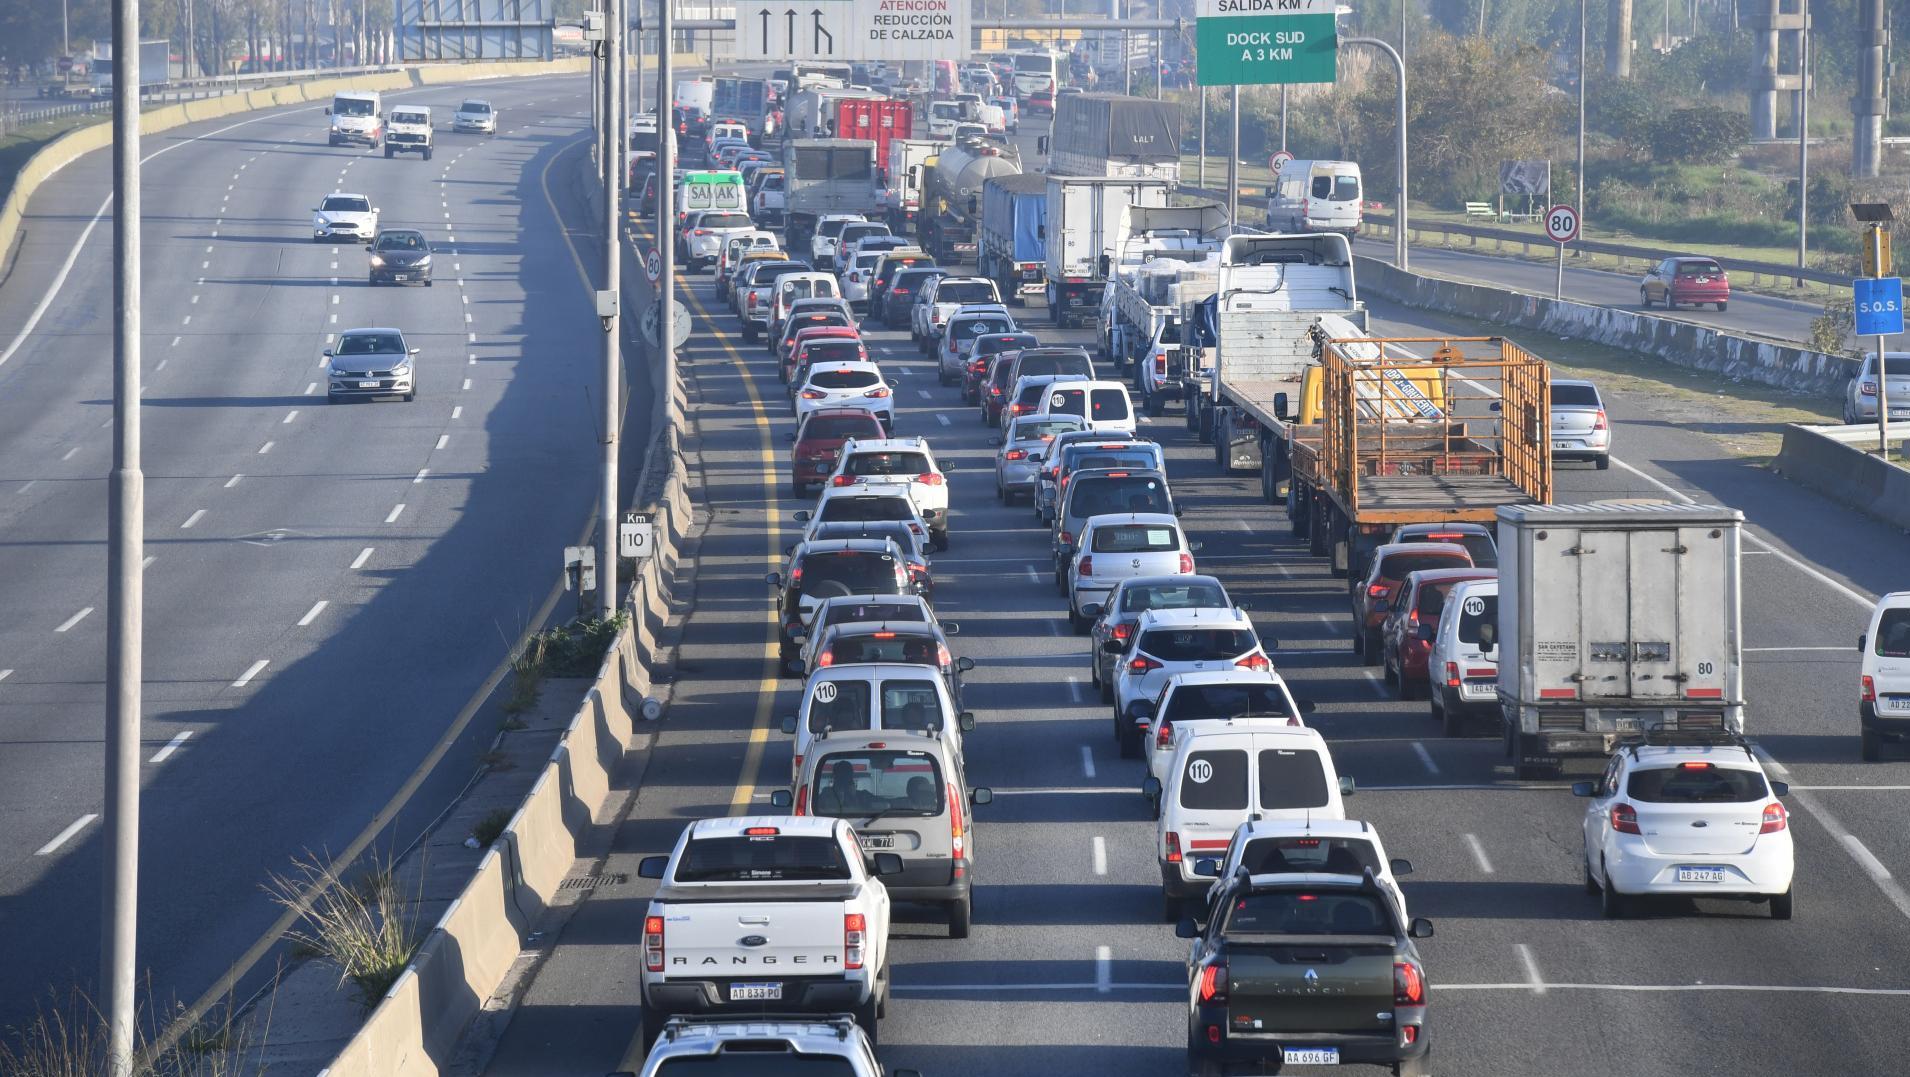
x,y
942,657
843,480
854,936
1014,454
1187,564
1696,766
1173,847
882,635
811,394
898,291
1142,664
653,943
1115,475
1256,661
1160,362
1870,690
876,394
1164,735
1599,423
795,577
699,231
824,660
1123,631
1868,388
802,800
995,390
1375,590
1775,818
1452,674
1020,409
954,822
1213,982
1086,568
1624,819
929,478
1409,985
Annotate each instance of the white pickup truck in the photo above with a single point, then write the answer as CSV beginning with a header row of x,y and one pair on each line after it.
x,y
767,914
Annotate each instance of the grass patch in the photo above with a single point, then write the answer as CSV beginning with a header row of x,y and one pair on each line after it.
x,y
21,143
362,925
491,826
577,649
527,678
68,1038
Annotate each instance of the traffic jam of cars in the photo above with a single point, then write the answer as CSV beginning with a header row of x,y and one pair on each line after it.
x,y
1300,945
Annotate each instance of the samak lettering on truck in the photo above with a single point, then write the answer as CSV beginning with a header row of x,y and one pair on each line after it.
x,y
1085,229
1105,134
1615,617
1011,249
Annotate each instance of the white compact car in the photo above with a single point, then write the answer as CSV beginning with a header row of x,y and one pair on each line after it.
x,y
1170,641
704,242
1690,815
901,464
689,1046
822,245
1187,702
1310,847
1580,428
1883,706
1115,547
847,385
1463,668
344,216
475,115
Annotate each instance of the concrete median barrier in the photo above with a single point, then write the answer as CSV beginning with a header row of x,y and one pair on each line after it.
x,y
1839,463
1680,343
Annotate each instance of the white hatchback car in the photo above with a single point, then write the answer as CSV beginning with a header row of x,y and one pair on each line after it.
x,y
1463,668
475,115
1188,701
1694,816
1166,642
1115,547
847,385
906,464
1883,705
822,245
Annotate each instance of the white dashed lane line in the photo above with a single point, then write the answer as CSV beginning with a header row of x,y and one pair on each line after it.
x,y
66,835
67,625
251,671
172,746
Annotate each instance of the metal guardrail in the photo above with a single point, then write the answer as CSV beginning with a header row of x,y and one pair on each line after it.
x,y
178,90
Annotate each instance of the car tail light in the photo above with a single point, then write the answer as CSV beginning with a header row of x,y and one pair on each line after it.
x,y
653,943
1086,568
1123,631
898,291
1256,661
1869,690
699,231
942,657
1142,664
954,822
1452,674
1213,982
802,800
1375,590
843,480
1020,409
811,394
1409,984
1624,819
1867,388
1173,847
1775,818
877,394
854,936
1014,454
1164,735
1067,539
823,661
1187,564
1160,362
929,478
995,390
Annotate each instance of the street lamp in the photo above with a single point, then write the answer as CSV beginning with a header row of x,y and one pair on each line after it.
x,y
1399,68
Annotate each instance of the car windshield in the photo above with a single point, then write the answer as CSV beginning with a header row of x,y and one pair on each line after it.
x,y
761,858
1893,633
965,291
479,107
1134,538
1397,565
1214,780
340,203
840,427
1192,702
1295,854
1292,778
410,117
1695,782
1029,430
1196,644
1135,493
885,646
890,462
724,220
874,782
370,344
351,106
401,241
1567,395
844,379
1172,596
867,508
1293,912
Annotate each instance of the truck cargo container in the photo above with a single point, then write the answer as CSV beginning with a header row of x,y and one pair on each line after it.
x,y
1153,276
1085,229
1011,244
878,119
900,197
824,175
952,194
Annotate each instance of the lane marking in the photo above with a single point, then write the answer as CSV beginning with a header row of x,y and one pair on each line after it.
x,y
1087,761
457,412
364,555
443,440
1866,858
1373,678
1425,757
66,835
1532,976
251,671
1099,855
69,454
233,481
467,383
943,418
148,562
1074,689
312,614
67,625
172,746
311,387
1775,989
5,673
393,518
289,416
1103,969
1097,986
1478,853
197,515
419,477
266,448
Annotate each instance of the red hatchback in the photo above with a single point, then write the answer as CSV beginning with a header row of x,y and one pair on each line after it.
x,y
1408,632
1685,280
819,441
793,358
1373,599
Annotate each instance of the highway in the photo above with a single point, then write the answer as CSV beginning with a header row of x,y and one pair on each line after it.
x,y
328,588
1069,970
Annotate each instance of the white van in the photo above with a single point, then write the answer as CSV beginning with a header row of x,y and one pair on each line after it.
x,y
1227,774
1316,196
1463,668
1883,705
1102,404
356,116
875,695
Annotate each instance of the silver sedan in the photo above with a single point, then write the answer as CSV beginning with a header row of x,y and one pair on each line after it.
x,y
1017,452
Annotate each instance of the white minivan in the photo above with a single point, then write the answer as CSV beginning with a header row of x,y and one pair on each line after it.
x,y
1227,774
1883,706
860,696
1316,196
1102,404
1463,667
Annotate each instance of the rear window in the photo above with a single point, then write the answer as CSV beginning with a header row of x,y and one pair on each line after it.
x,y
875,782
1695,783
911,705
831,228
850,612
1699,269
885,647
887,463
725,220
905,539
1072,363
1196,644
843,379
1193,702
1292,778
853,232
840,705
1574,396
798,289
832,351
780,1060
1397,565
1177,596
1109,405
1893,634
867,508
1100,496
965,291
1215,780
1894,365
761,858
841,426
1478,610
970,328
848,572
1066,401
1432,600
1336,188
1002,343
1134,538
1093,461
1042,428
1307,913
1327,856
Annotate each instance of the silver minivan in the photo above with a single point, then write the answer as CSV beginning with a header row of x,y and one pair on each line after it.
x,y
1316,196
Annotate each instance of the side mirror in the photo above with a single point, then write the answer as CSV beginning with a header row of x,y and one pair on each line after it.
x,y
795,666
799,633
891,864
1280,405
1584,789
1422,928
1196,547
651,867
1207,868
774,579
1347,788
966,720
1307,706
780,798
1092,610
1141,710
790,437
981,794
801,516
327,110
906,1073
789,724
1180,510
1151,788
789,549
1495,406
1780,789
1426,631
1186,928
1863,638
367,246
1400,866
412,351
951,629
964,664
327,353
1379,605
1112,646
1245,607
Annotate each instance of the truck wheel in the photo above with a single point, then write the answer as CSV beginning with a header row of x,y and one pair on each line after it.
x,y
1204,430
387,153
1058,309
866,1015
427,153
960,917
1193,411
1156,404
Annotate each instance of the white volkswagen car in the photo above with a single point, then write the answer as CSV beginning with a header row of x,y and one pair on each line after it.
x,y
1115,547
475,115
847,385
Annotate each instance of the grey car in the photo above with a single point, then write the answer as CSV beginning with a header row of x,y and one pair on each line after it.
x,y
1131,598
1018,453
399,255
1100,493
1860,396
1086,451
370,363
1580,429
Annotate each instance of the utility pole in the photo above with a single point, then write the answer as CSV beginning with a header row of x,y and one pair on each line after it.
x,y
1202,91
1618,40
1578,192
1283,115
1400,224
1233,159
610,312
1866,145
1803,141
125,580
664,235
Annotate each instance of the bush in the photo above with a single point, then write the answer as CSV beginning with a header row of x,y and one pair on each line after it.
x,y
577,649
1704,134
1830,329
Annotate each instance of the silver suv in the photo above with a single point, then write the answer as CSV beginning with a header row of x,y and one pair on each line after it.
x,y
696,1046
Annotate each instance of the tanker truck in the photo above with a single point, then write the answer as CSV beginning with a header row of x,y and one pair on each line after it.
x,y
952,194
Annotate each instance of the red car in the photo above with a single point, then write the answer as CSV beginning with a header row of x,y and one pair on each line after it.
x,y
1041,101
792,359
1685,280
818,441
1392,563
1408,631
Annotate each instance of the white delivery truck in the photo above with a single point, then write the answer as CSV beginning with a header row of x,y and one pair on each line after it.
x,y
1614,618
356,116
1084,231
901,194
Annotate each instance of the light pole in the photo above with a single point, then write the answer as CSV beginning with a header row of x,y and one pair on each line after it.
x,y
1803,149
1579,190
610,303
1233,158
1399,67
664,233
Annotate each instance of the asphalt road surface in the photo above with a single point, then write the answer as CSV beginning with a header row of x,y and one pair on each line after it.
x,y
1069,970
327,586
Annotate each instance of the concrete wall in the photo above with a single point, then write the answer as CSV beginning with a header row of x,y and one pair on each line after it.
x,y
1679,343
1833,461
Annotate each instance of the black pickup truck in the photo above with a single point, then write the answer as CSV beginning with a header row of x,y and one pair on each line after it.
x,y
1305,970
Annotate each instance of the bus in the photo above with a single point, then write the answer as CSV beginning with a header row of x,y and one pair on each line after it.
x,y
1035,73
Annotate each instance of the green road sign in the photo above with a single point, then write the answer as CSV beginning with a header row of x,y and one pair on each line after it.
x,y
1265,42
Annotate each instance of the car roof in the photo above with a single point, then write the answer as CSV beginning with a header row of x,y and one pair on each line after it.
x,y
348,194
875,600
1201,616
1307,828
736,826
1257,727
1224,676
853,364
878,671
1442,575
837,545
900,628
903,740
1130,472
1662,756
1391,548
918,444
1115,519
1165,580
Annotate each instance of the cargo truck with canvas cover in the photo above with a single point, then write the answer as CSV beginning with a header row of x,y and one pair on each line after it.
x,y
1616,618
1104,134
1011,244
1085,229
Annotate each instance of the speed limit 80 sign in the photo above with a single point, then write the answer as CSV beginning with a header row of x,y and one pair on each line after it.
x,y
1561,224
